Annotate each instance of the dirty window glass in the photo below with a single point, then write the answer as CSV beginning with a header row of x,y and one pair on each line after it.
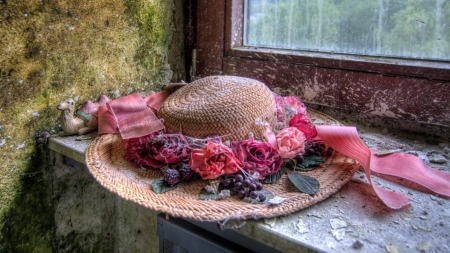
x,y
418,29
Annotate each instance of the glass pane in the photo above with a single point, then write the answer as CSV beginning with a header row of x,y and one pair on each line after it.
x,y
417,29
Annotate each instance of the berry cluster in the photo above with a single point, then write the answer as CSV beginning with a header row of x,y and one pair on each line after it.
x,y
312,148
177,173
245,187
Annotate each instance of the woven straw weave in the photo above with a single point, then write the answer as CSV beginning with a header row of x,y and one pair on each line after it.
x,y
229,106
104,160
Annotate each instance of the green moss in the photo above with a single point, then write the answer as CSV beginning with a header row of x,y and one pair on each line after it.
x,y
155,30
51,50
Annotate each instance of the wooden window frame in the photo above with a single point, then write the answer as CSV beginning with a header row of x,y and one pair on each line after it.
x,y
398,92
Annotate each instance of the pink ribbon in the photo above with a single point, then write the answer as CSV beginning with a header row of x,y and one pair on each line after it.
x,y
131,116
346,141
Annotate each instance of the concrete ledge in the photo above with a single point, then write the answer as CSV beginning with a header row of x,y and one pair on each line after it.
x,y
71,147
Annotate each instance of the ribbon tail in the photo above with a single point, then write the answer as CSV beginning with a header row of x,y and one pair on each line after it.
x,y
413,169
346,141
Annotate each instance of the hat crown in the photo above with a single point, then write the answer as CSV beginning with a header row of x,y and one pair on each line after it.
x,y
229,106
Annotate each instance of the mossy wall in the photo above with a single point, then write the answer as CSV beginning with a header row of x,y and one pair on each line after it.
x,y
54,49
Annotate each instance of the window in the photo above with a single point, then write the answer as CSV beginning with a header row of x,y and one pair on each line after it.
x,y
411,94
412,29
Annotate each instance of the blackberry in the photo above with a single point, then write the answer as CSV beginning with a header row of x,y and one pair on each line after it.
x,y
172,177
185,171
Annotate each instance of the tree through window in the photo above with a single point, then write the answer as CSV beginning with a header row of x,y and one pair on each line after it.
x,y
416,29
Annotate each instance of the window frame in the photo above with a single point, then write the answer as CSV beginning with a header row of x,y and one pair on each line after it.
x,y
220,51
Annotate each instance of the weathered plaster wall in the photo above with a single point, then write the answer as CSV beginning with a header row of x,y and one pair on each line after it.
x,y
54,49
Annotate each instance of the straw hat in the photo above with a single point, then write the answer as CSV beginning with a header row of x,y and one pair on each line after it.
x,y
229,106
192,104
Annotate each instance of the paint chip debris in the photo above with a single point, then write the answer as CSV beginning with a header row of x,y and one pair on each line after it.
x,y
424,247
387,152
438,158
338,234
270,221
391,249
301,227
337,223
83,137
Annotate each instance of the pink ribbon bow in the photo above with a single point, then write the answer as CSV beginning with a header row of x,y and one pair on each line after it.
x,y
132,116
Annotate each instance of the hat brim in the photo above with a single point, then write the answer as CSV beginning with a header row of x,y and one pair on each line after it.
x,y
104,159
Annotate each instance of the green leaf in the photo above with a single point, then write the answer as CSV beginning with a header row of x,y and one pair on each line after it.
x,y
160,186
271,179
310,163
204,195
306,184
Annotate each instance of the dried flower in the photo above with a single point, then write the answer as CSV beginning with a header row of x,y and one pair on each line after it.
x,y
257,156
156,150
214,160
287,107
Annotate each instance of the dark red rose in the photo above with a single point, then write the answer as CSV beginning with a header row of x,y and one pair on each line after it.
x,y
156,150
304,124
257,156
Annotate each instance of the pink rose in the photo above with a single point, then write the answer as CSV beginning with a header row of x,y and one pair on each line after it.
x,y
257,156
290,142
214,160
156,150
304,124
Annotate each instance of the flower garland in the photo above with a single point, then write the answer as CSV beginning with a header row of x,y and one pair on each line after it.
x,y
212,159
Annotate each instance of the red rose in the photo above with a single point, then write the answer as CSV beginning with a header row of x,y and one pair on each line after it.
x,y
156,150
257,156
214,160
304,124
